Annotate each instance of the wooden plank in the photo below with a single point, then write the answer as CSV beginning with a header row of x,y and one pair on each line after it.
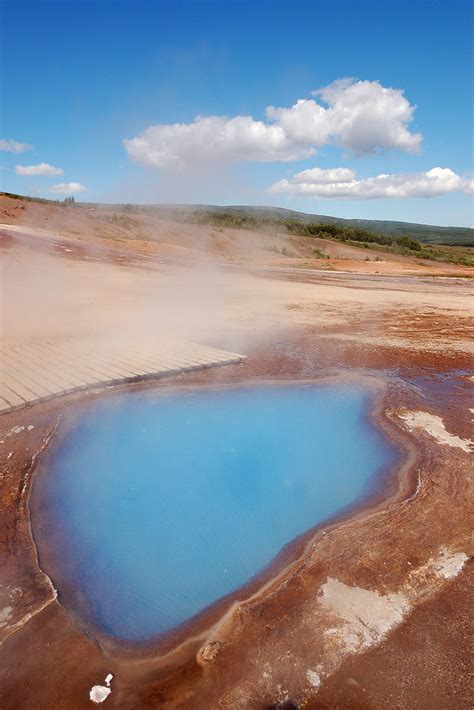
x,y
54,367
11,397
32,379
77,368
44,375
107,371
18,388
155,368
213,354
171,361
5,406
121,360
109,361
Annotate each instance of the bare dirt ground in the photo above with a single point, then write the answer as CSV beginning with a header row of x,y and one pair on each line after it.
x,y
123,235
376,611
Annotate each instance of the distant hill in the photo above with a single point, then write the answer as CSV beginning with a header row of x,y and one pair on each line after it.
x,y
424,233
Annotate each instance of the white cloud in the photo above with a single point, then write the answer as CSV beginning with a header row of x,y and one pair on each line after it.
x,y
319,176
366,116
342,183
213,139
362,116
11,146
469,186
67,187
304,122
41,169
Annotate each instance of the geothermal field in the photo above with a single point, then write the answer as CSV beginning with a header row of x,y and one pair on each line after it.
x,y
235,464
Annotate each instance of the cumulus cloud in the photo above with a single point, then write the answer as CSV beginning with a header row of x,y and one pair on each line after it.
x,y
67,187
342,183
11,146
213,139
361,116
365,116
41,169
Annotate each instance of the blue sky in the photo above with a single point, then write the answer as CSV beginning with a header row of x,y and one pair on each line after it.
x,y
79,78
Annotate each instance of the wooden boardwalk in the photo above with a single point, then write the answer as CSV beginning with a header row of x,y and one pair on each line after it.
x,y
35,371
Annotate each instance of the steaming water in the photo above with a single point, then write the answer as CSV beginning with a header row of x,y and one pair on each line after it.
x,y
157,507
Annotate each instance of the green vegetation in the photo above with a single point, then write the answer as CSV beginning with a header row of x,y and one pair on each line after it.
x,y
424,233
319,254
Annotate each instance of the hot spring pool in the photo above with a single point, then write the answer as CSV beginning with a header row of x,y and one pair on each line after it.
x,y
156,507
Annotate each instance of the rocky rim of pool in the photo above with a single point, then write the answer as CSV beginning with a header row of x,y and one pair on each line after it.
x,y
79,575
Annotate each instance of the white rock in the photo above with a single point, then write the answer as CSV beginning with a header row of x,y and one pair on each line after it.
x,y
367,616
449,564
5,615
313,678
99,693
434,426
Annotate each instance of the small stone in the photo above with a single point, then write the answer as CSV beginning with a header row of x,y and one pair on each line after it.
x,y
210,650
313,678
99,693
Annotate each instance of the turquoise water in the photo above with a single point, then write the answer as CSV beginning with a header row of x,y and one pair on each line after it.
x,y
159,506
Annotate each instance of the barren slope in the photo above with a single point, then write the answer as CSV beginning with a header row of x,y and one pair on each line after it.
x,y
148,235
